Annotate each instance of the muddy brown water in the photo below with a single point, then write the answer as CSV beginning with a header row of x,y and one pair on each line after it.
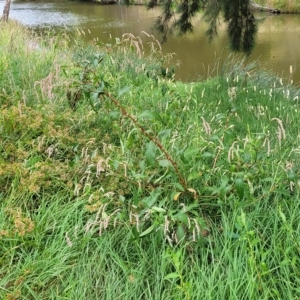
x,y
277,48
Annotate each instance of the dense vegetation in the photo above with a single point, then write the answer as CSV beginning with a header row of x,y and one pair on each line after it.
x,y
285,5
238,17
116,182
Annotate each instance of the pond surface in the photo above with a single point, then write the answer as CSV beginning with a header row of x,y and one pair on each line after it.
x,y
278,39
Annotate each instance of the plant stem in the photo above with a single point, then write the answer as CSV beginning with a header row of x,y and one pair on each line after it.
x,y
152,138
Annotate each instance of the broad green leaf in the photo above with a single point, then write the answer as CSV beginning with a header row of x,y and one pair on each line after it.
x,y
100,89
194,175
135,233
129,141
159,235
224,181
233,235
182,217
148,230
246,157
191,206
158,209
180,233
214,138
165,163
285,262
164,134
142,165
149,201
150,153
190,152
114,114
291,175
207,154
124,90
94,96
96,62
146,114
157,116
239,185
255,242
282,192
179,186
195,213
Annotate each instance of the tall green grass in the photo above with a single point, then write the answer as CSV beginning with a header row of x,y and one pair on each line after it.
x,y
119,183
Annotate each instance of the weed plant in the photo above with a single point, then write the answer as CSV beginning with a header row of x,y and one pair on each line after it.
x,y
119,183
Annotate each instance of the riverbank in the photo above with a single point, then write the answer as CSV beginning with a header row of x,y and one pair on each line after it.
x,y
282,5
276,46
118,182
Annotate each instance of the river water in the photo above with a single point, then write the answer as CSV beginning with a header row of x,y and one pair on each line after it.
x,y
277,48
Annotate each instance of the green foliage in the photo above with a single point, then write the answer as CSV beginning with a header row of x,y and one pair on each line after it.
x,y
242,25
139,187
238,15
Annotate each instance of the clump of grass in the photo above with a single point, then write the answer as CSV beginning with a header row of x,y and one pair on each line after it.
x,y
200,203
286,5
29,64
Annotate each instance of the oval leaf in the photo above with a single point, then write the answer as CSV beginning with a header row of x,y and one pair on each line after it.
x,y
150,153
194,175
180,233
158,209
165,163
146,114
148,230
124,90
239,185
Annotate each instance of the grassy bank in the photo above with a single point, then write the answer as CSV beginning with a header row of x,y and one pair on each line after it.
x,y
119,183
285,5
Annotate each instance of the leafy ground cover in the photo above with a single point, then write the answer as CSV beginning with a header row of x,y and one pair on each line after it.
x,y
116,182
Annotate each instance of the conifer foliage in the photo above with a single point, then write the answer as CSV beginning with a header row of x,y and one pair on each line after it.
x,y
237,14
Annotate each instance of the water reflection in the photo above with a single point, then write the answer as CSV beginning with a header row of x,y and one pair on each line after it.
x,y
278,40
